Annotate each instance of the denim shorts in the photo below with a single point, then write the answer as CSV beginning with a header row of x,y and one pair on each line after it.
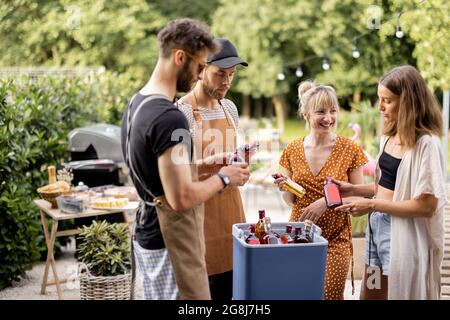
x,y
378,241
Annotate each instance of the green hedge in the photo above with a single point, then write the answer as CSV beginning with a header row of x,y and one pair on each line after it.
x,y
35,119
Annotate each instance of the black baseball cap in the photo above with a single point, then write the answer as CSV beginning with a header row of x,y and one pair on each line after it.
x,y
227,56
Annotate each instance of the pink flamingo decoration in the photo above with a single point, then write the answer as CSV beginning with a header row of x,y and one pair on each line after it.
x,y
369,167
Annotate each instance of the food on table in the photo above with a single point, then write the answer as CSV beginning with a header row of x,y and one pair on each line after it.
x,y
110,202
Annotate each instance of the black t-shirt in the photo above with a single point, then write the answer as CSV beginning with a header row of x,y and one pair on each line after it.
x,y
152,134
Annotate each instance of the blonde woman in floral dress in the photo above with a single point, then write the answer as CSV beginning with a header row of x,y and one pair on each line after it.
x,y
308,161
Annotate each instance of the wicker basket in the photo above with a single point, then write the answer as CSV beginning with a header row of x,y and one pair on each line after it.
x,y
51,196
103,288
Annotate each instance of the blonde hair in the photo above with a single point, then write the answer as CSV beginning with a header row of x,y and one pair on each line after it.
x,y
418,110
312,95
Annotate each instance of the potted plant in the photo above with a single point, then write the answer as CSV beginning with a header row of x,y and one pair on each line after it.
x,y
104,252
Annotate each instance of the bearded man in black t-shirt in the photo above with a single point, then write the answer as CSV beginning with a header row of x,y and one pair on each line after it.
x,y
168,237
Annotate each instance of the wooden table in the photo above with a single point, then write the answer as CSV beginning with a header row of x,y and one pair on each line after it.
x,y
56,215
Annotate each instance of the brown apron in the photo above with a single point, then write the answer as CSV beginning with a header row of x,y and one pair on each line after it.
x,y
225,208
182,232
184,239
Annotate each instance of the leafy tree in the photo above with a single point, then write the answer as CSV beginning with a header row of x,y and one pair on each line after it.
x,y
347,24
271,33
427,23
198,9
117,34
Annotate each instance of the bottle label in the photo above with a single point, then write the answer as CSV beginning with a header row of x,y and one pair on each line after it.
x,y
295,188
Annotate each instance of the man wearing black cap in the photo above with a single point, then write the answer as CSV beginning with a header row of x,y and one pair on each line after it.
x,y
213,122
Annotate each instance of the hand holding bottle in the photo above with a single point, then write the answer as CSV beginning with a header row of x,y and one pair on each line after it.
x,y
346,189
238,173
357,207
280,181
286,183
244,153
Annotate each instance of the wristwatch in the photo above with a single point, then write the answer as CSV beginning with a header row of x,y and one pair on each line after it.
x,y
225,179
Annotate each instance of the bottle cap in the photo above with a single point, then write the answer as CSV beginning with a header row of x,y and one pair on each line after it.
x,y
261,213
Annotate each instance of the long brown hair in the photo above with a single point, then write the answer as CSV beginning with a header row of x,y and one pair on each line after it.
x,y
418,110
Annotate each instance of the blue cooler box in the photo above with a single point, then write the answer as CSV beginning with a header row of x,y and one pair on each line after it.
x,y
278,271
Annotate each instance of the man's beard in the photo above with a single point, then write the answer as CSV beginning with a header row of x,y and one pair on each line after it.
x,y
211,91
185,79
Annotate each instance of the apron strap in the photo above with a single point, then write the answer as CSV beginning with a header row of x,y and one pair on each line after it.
x,y
228,116
128,160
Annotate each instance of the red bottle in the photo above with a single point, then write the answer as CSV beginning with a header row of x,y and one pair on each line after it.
x,y
332,194
250,237
242,154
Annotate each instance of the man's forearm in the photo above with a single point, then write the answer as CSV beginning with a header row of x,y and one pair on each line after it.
x,y
201,191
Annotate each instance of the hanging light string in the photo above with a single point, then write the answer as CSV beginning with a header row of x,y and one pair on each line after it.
x,y
355,51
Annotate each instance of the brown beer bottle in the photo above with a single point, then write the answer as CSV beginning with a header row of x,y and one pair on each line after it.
x,y
260,231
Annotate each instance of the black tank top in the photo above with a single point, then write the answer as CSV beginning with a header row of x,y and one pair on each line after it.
x,y
389,166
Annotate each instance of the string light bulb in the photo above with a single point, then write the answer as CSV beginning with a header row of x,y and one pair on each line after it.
x,y
355,52
398,32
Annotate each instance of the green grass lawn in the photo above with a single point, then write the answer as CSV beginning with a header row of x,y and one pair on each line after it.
x,y
293,128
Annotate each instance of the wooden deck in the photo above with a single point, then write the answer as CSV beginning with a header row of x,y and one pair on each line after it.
x,y
445,271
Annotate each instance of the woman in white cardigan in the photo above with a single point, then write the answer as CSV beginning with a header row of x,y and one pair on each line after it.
x,y
406,216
